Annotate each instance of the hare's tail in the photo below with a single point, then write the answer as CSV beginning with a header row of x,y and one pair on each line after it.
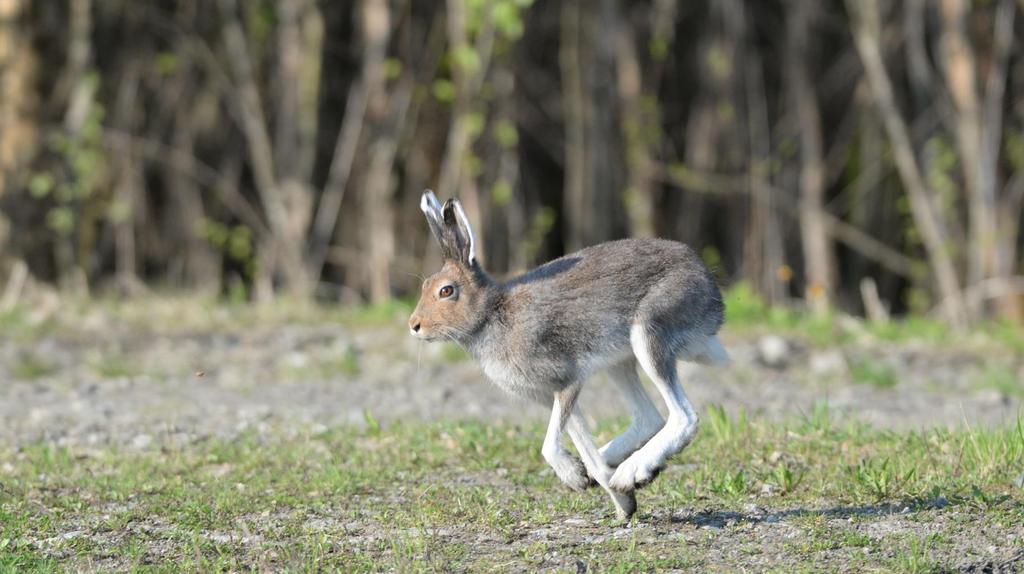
x,y
707,351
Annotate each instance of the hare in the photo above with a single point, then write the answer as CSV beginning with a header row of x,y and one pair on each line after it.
x,y
541,335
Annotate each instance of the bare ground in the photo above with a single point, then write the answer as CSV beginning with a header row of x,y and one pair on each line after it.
x,y
137,388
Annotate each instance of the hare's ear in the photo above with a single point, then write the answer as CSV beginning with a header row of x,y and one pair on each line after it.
x,y
457,223
431,207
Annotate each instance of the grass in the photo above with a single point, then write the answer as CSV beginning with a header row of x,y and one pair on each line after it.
x,y
874,374
31,366
1000,377
113,365
469,496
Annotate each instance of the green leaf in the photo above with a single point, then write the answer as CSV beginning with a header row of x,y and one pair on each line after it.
x,y
507,19
119,211
658,48
475,123
40,185
61,219
466,58
501,193
393,68
506,134
444,91
166,63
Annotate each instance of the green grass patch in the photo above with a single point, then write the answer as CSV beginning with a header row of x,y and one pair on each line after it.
x,y
1001,377
31,366
747,311
113,365
465,496
873,373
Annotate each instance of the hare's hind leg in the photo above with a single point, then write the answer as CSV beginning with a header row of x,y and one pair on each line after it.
x,y
647,420
658,360
567,467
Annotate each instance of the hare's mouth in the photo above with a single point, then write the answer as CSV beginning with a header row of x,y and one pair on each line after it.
x,y
423,335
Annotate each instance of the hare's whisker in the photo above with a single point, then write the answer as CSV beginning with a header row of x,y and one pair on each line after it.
x,y
419,358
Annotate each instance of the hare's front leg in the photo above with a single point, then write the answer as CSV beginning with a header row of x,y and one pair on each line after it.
x,y
625,502
660,364
647,421
567,467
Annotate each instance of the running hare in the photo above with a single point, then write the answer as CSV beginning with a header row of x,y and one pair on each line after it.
x,y
541,335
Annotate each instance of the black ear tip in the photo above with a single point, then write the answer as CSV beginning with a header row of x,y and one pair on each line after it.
x,y
448,211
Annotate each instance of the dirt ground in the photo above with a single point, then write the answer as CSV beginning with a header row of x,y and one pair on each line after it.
x,y
142,389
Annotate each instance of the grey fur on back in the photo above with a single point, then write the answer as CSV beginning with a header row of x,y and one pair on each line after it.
x,y
567,318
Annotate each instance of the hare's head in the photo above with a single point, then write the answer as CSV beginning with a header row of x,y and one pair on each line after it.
x,y
453,301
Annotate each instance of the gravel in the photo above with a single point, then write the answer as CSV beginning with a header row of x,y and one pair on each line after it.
x,y
145,390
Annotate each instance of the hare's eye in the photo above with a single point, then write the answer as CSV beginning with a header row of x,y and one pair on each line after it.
x,y
446,291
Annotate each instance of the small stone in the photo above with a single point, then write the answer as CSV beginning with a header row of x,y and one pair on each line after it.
x,y
773,351
1019,481
992,397
830,362
142,441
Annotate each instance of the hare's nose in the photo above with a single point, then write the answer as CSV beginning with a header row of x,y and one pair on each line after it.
x,y
414,325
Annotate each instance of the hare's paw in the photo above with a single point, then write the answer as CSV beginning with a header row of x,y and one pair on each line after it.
x,y
625,505
633,474
571,471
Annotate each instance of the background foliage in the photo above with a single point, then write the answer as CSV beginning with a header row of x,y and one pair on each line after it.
x,y
863,155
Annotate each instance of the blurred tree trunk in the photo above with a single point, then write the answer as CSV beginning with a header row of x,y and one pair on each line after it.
x,y
817,246
640,132
468,74
867,36
961,82
19,132
604,138
978,128
574,105
764,253
1005,234
341,104
130,184
78,90
593,208
385,119
283,202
